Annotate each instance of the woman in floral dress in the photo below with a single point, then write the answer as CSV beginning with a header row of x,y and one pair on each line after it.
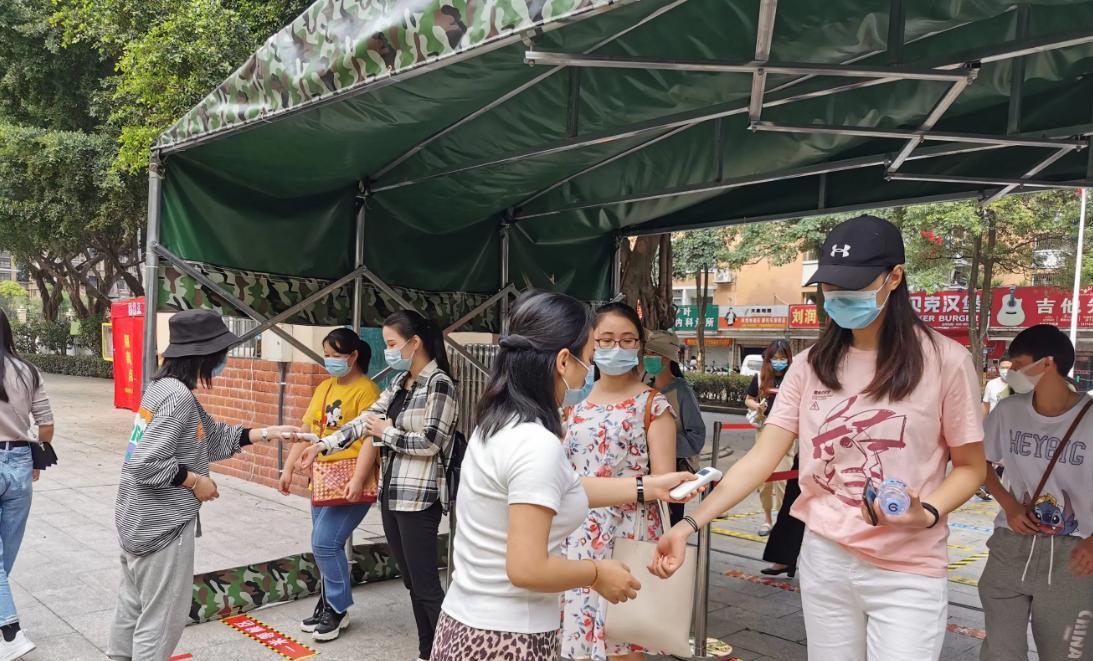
x,y
623,429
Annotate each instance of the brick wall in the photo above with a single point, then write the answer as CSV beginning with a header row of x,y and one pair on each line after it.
x,y
247,393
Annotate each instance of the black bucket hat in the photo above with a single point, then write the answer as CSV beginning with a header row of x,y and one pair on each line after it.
x,y
856,251
198,333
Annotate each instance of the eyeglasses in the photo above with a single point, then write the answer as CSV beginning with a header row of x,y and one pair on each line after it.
x,y
611,343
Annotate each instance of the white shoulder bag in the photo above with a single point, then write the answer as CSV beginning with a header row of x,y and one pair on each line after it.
x,y
660,618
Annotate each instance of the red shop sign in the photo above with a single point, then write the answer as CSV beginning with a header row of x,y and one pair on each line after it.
x,y
1022,307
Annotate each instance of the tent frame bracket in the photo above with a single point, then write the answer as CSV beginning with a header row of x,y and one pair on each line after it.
x,y
406,305
940,136
232,299
353,276
988,181
764,35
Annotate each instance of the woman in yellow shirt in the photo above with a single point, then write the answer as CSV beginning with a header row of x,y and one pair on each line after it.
x,y
344,396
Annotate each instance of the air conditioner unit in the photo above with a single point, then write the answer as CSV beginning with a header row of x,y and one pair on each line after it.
x,y
724,276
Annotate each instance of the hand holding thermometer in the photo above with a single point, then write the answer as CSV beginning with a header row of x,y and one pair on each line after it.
x,y
303,436
705,476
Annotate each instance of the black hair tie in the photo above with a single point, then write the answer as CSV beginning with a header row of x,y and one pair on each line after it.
x,y
516,342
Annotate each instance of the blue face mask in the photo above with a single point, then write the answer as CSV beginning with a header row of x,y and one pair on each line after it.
x,y
616,361
394,358
574,396
779,365
853,309
338,367
220,367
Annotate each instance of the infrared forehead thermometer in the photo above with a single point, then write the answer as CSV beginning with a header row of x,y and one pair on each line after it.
x,y
705,476
304,435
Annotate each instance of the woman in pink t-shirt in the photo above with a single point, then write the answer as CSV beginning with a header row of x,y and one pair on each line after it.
x,y
879,397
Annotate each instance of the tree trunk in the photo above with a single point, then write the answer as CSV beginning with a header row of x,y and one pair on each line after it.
x,y
638,261
975,339
665,289
702,282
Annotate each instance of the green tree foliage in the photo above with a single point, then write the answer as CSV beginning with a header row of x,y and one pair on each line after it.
x,y
43,83
168,54
12,297
64,212
695,254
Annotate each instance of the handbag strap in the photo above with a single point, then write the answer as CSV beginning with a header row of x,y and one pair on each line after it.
x,y
653,392
663,507
1059,450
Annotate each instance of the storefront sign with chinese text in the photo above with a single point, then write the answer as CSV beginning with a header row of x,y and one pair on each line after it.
x,y
803,316
943,310
687,317
1021,307
753,317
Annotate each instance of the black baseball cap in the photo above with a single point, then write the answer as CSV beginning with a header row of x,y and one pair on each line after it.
x,y
856,251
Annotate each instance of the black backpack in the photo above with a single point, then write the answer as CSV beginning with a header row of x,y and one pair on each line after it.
x,y
453,465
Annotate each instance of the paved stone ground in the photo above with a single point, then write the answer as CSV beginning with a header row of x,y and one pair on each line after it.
x,y
64,581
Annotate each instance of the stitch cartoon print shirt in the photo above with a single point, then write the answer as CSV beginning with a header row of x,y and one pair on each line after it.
x,y
846,437
1024,441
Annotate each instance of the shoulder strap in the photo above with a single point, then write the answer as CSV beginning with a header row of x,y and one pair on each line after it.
x,y
653,392
1059,450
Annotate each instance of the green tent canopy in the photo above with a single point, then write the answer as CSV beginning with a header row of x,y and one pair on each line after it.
x,y
455,147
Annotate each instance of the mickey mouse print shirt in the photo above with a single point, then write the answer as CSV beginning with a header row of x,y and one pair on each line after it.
x,y
846,437
333,405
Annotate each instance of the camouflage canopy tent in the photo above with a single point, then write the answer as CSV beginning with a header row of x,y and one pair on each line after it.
x,y
434,152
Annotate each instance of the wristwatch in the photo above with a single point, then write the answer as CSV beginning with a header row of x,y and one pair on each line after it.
x,y
265,433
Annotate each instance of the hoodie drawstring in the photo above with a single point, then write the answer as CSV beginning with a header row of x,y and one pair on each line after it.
x,y
1051,561
1031,551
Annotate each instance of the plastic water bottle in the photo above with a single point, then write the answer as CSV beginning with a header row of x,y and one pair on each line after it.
x,y
893,497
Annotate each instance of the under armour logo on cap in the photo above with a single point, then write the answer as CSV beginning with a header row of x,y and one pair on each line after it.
x,y
857,251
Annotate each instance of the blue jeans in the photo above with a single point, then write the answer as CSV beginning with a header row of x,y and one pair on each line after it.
x,y
330,528
15,495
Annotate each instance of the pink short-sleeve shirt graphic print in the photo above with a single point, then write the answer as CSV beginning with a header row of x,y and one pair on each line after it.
x,y
847,437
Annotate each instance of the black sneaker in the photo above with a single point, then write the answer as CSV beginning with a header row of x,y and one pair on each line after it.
x,y
330,625
308,625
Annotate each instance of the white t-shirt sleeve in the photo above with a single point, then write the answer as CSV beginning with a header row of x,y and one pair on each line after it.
x,y
539,474
992,440
987,392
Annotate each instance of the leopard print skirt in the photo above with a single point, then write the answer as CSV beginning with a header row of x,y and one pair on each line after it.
x,y
456,641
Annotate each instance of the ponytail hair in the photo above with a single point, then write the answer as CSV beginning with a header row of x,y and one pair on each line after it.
x,y
408,323
522,386
345,342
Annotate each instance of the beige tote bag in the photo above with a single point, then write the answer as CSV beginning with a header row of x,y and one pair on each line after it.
x,y
660,618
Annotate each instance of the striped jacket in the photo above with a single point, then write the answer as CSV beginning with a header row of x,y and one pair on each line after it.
x,y
171,430
414,449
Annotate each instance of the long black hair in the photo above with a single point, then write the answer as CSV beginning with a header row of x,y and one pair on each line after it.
x,y
408,323
29,377
901,358
345,342
192,370
766,372
521,385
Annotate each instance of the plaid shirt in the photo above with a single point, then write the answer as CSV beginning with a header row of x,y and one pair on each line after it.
x,y
415,447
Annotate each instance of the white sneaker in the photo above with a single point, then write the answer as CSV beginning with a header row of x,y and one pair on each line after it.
x,y
16,648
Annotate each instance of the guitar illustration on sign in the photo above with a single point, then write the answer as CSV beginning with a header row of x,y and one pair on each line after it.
x,y
1013,310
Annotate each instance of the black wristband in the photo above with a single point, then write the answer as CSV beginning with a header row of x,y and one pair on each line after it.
x,y
641,490
932,510
244,437
691,522
180,476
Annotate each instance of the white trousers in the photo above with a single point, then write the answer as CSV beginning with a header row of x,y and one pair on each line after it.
x,y
855,611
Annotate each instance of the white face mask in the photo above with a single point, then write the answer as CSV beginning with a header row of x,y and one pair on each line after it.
x,y
1021,381
1003,372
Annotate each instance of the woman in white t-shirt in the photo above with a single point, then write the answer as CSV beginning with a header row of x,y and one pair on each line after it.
x,y
519,498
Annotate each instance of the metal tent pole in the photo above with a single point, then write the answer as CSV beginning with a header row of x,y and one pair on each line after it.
x,y
1078,250
505,275
151,269
358,262
616,268
702,571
